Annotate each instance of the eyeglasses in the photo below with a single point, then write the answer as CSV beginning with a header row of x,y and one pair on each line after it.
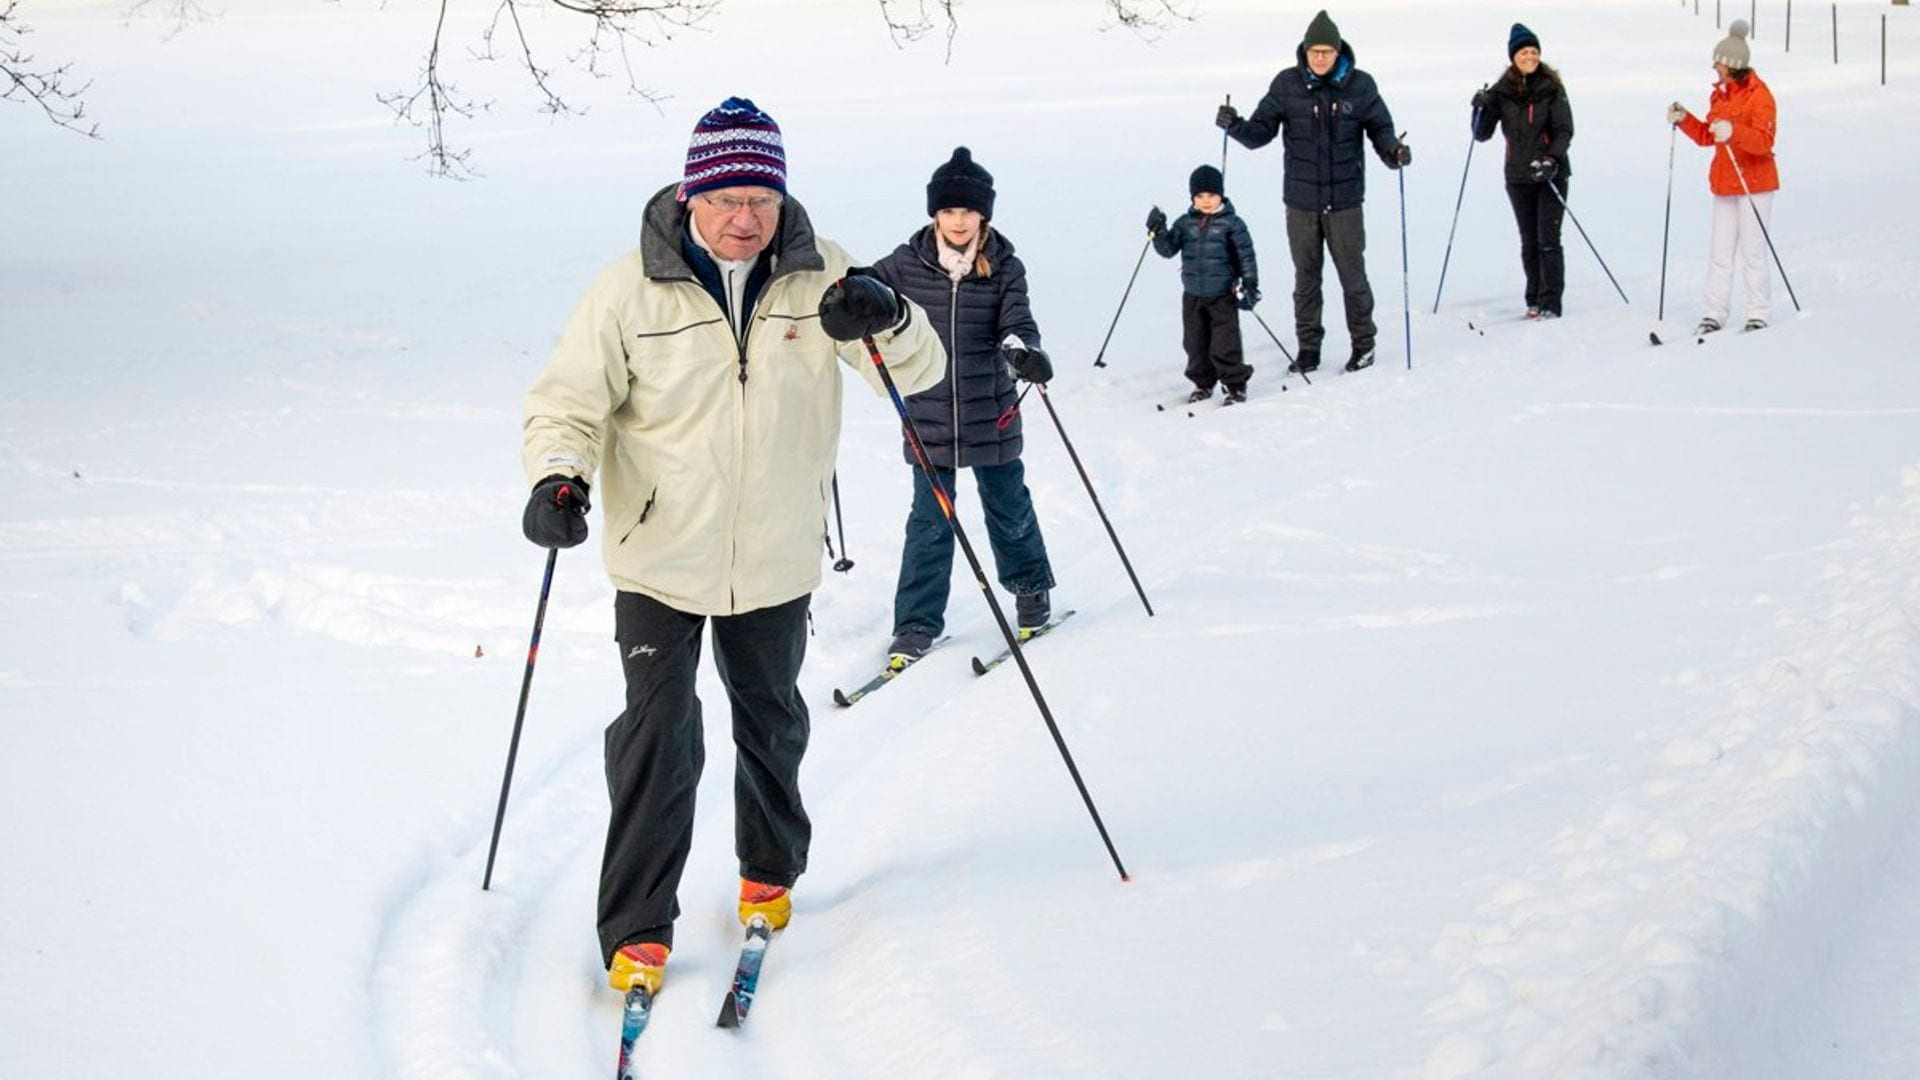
x,y
733,204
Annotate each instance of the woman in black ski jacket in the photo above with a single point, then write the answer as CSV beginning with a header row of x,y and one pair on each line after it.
x,y
1529,103
973,288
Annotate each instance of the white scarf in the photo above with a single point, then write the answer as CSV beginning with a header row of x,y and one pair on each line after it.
x,y
955,261
733,276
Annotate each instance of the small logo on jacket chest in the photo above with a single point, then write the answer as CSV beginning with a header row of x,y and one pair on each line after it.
x,y
792,334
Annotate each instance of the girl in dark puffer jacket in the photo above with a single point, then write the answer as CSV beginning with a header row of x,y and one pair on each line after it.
x,y
1530,103
974,291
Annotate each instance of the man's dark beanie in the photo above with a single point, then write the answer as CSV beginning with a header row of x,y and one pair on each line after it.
x,y
1321,31
1206,178
960,185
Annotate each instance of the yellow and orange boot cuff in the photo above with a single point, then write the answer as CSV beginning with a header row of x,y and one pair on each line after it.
x,y
771,902
644,963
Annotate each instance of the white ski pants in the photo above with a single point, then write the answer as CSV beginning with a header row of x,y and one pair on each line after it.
x,y
1737,238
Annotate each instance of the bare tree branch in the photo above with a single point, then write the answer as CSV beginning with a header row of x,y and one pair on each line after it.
x,y
905,29
616,27
1144,15
27,81
616,24
428,104
180,13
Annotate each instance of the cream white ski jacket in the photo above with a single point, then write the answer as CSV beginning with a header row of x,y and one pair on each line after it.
x,y
713,453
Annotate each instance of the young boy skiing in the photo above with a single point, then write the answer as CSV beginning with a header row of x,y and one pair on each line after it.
x,y
1216,253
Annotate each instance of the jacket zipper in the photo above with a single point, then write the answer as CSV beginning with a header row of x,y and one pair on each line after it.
x,y
739,449
953,367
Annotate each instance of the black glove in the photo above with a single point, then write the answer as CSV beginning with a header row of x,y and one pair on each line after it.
x,y
556,514
1030,364
1249,295
1542,169
1400,156
860,305
1481,99
1226,117
1156,221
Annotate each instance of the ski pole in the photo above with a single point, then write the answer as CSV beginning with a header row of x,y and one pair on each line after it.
x,y
1456,223
1097,508
1276,341
1764,234
843,563
1666,225
980,576
1406,275
1099,359
1583,235
520,715
1223,140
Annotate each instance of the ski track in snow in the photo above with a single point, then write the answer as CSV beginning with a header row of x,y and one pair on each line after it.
x,y
1795,781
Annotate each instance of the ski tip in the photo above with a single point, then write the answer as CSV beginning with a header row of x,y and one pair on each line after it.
x,y
1654,338
1159,407
729,1012
841,699
978,667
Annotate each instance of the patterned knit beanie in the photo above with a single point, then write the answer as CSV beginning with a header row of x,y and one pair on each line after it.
x,y
1321,31
1733,50
1206,178
960,185
735,145
1520,38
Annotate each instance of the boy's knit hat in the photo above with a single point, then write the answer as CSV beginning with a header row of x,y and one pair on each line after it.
x,y
1206,178
735,145
1732,51
960,185
1321,31
1519,38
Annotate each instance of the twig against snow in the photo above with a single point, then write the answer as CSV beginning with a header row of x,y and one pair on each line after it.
x,y
616,24
27,81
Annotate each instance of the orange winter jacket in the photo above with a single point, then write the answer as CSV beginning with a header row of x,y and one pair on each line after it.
x,y
1749,105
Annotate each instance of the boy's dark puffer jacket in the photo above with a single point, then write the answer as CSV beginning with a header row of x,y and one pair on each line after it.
x,y
1214,249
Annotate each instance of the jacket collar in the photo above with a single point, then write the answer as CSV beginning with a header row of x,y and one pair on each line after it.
x,y
925,244
1342,68
1226,208
666,220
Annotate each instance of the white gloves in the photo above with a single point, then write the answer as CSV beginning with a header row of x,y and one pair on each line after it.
x,y
1676,112
1722,130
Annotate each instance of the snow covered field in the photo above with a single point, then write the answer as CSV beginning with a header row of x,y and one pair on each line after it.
x,y
1549,710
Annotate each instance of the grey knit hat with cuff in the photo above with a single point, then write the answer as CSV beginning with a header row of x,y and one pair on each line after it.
x,y
1733,50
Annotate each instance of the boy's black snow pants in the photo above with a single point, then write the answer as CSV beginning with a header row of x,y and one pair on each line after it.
x,y
1211,333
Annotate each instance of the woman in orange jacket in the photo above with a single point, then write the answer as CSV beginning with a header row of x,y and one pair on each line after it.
x,y
1740,129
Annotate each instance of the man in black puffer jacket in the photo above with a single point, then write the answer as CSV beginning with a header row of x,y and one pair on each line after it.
x,y
1322,108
